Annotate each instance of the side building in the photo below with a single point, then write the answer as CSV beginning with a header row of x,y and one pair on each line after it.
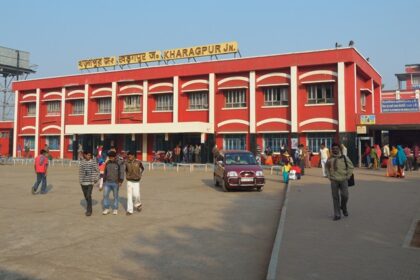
x,y
306,97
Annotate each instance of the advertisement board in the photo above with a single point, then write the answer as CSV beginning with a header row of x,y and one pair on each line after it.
x,y
401,105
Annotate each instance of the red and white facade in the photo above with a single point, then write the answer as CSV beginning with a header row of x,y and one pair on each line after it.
x,y
243,102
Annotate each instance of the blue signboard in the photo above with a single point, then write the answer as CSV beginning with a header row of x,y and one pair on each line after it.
x,y
404,105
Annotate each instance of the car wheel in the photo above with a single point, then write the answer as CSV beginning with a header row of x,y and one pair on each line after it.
x,y
225,187
260,189
216,183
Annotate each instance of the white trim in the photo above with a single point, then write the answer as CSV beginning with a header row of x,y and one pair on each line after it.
x,y
162,111
76,91
50,127
356,100
341,97
85,118
319,104
194,90
232,132
161,85
317,72
373,97
161,92
51,134
196,110
293,99
130,94
140,128
101,89
75,98
316,120
53,93
273,85
252,102
49,100
131,86
275,106
29,116
131,112
98,113
28,95
317,82
101,96
319,130
145,101
366,89
38,96
235,78
15,124
274,74
198,81
274,120
175,100
28,101
273,131
114,102
220,124
212,79
236,108
74,115
27,134
222,88
144,147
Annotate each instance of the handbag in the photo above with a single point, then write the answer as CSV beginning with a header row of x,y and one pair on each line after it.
x,y
350,181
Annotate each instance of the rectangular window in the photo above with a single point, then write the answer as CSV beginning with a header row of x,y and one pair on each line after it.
x,y
53,108
53,142
320,93
198,100
29,141
234,142
31,109
104,105
235,98
275,96
363,101
275,141
78,107
132,103
316,139
164,102
4,134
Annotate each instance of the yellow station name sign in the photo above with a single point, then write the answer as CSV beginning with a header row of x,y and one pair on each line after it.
x,y
172,54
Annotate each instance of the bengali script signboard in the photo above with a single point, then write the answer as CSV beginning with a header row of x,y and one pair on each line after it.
x,y
402,105
97,62
139,57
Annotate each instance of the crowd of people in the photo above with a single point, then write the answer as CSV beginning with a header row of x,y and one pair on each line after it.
x,y
187,154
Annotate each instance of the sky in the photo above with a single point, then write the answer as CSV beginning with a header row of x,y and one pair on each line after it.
x,y
60,33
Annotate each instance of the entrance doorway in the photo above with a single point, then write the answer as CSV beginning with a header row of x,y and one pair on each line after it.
x,y
362,141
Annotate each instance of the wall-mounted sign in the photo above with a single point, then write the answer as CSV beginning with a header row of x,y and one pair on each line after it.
x,y
294,143
361,129
401,105
97,62
207,50
139,57
367,119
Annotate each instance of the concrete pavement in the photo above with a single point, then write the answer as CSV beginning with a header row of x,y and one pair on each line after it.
x,y
369,244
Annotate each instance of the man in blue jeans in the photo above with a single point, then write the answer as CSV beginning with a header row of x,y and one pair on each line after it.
x,y
113,178
41,166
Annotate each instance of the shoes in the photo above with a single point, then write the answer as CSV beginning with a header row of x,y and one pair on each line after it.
x,y
336,218
128,214
105,212
114,212
139,208
345,212
88,213
33,191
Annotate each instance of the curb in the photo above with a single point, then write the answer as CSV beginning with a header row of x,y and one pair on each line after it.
x,y
272,267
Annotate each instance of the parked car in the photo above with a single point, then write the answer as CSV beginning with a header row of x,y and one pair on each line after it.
x,y
238,170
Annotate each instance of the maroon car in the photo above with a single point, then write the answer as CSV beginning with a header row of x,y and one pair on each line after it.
x,y
238,170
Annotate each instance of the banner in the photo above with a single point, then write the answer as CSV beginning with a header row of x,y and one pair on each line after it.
x,y
367,119
402,105
97,62
207,50
139,57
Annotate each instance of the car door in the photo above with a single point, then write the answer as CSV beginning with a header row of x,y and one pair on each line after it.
x,y
219,168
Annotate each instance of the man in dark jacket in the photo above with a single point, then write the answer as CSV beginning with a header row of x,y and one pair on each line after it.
x,y
113,178
133,171
339,169
88,175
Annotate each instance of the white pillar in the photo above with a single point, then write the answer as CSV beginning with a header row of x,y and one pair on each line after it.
x,y
38,100
212,96
113,102
86,105
145,93
373,97
252,102
15,126
144,148
293,99
63,111
175,96
356,100
341,98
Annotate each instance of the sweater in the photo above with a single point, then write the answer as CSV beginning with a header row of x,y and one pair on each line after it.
x,y
342,173
88,172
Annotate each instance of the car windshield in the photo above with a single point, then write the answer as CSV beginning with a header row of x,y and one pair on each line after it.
x,y
240,159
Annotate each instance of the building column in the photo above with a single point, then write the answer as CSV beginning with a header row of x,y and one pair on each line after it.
x,y
86,105
145,93
113,102
144,148
38,98
252,114
293,99
176,97
15,126
212,96
63,111
373,96
341,98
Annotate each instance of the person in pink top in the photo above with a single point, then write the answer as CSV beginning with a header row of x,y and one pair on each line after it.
x,y
41,166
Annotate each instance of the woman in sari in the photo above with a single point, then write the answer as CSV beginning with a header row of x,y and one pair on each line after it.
x,y
391,169
374,158
401,159
378,154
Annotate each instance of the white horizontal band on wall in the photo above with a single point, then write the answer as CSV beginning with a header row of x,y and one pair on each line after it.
x,y
232,132
275,74
76,92
130,94
101,96
52,93
51,126
161,85
28,127
274,120
236,78
198,81
29,95
319,130
317,120
160,92
131,86
101,89
220,124
317,72
318,81
273,85
195,90
273,131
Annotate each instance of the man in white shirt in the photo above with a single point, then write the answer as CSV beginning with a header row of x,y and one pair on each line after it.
x,y
324,154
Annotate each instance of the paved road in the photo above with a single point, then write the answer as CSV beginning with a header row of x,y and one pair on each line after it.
x,y
187,230
369,244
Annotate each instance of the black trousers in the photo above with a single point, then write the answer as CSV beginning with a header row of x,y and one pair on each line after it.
x,y
87,192
340,195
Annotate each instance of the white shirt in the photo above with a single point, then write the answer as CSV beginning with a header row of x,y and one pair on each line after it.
x,y
324,153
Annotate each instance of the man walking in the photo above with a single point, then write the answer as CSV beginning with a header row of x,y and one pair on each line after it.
x,y
339,169
134,170
113,178
41,166
88,175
